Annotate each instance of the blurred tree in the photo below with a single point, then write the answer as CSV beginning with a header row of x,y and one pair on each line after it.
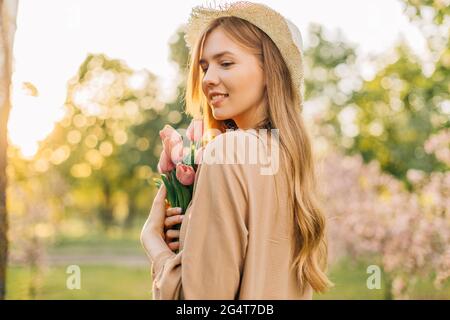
x,y
8,14
396,113
433,19
172,113
328,60
387,117
107,146
179,52
93,147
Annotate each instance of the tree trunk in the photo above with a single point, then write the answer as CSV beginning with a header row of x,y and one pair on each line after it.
x,y
8,14
106,210
132,212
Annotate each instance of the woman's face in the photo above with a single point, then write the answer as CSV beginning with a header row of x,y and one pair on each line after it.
x,y
238,74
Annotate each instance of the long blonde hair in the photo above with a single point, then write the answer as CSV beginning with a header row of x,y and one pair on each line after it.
x,y
284,114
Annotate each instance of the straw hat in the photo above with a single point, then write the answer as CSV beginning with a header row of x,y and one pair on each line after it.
x,y
282,31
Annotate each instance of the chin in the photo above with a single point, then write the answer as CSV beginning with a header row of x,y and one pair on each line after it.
x,y
219,114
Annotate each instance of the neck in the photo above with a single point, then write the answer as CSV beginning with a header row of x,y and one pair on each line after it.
x,y
251,118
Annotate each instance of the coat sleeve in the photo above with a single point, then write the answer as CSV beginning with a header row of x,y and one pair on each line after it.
x,y
210,264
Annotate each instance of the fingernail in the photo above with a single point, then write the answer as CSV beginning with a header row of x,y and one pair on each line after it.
x,y
181,218
179,210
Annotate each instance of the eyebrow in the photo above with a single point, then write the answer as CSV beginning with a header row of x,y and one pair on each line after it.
x,y
217,55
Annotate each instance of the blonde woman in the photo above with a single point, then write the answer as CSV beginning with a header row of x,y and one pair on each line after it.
x,y
245,235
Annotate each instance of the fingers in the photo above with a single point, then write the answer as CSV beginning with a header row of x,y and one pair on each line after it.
x,y
174,245
173,211
173,217
172,234
161,195
168,238
169,222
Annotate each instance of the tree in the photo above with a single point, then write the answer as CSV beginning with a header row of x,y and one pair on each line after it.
x,y
107,145
387,117
93,146
8,14
395,121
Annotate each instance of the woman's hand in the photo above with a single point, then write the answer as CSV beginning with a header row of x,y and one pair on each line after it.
x,y
159,224
152,234
173,217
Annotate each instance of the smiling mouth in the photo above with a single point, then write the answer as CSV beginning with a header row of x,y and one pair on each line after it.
x,y
217,100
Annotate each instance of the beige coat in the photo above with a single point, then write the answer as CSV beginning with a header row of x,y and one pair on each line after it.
x,y
234,238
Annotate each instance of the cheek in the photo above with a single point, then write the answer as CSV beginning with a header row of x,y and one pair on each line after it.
x,y
249,86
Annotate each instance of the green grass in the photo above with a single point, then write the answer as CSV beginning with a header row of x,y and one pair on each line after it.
x,y
97,282
111,282
98,279
99,247
123,242
350,284
134,282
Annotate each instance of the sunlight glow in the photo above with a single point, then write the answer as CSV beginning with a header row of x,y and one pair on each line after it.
x,y
49,48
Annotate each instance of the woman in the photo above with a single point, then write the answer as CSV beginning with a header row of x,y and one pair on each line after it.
x,y
245,235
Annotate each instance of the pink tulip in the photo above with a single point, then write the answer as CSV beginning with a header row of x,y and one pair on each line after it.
x,y
165,164
195,130
173,148
185,174
167,132
172,142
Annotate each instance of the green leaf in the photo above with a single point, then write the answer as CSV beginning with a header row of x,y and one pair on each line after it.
x,y
157,182
171,196
173,181
192,154
184,193
178,189
187,196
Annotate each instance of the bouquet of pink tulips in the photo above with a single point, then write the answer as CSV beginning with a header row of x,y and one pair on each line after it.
x,y
178,165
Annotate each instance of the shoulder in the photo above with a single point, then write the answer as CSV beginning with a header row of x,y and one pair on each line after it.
x,y
244,152
235,147
231,135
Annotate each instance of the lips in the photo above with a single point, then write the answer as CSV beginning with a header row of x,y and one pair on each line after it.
x,y
218,100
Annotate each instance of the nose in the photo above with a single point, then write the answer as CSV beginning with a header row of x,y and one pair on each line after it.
x,y
210,78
